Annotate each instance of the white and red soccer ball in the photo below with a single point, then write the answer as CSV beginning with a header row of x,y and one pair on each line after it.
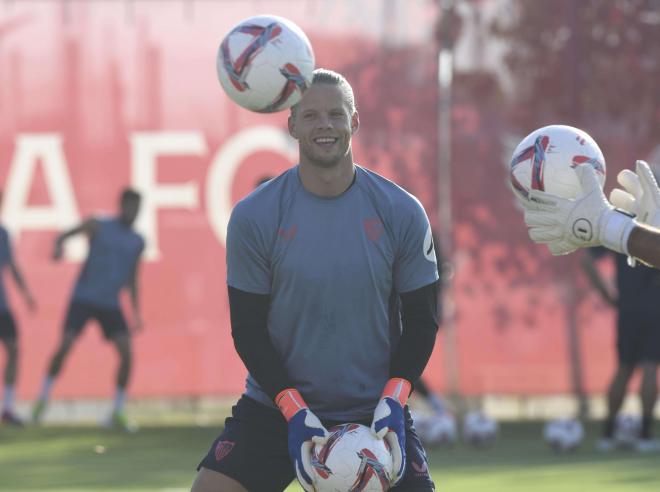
x,y
352,459
564,434
436,429
265,63
479,429
546,160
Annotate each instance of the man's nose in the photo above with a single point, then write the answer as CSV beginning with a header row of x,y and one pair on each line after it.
x,y
324,121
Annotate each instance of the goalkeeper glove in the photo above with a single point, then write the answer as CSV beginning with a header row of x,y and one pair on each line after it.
x,y
568,224
389,423
641,196
304,430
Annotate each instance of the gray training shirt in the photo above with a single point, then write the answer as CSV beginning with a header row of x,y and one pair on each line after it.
x,y
333,268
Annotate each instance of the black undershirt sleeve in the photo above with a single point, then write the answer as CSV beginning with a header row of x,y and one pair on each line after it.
x,y
249,329
420,325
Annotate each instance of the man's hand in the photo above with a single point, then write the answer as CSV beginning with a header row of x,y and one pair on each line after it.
x,y
389,423
640,195
305,430
568,224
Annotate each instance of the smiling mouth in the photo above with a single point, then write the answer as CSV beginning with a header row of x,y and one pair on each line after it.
x,y
325,141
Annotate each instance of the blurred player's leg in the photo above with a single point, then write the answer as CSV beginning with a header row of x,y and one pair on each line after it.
x,y
76,318
117,416
8,414
615,396
649,395
53,370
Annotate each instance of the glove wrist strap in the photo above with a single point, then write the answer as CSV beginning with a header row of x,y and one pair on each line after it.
x,y
290,402
615,231
397,388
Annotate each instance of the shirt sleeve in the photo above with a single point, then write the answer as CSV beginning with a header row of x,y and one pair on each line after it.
x,y
415,265
248,263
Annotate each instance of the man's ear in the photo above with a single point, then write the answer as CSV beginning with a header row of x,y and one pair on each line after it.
x,y
292,127
355,123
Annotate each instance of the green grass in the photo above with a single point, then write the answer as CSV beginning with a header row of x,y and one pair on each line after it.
x,y
77,459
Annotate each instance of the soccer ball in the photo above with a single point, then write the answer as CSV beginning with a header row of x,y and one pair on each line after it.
x,y
563,434
626,430
436,429
265,63
352,459
546,160
479,429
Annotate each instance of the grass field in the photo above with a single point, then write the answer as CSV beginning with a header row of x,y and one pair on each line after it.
x,y
77,459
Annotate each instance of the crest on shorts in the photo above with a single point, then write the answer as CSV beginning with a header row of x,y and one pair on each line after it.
x,y
422,469
222,449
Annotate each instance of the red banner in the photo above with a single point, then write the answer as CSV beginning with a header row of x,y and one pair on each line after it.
x,y
95,96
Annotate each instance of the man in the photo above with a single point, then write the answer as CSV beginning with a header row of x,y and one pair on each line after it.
x,y
112,264
638,340
8,333
590,220
316,260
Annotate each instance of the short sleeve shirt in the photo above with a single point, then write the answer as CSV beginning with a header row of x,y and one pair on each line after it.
x,y
332,268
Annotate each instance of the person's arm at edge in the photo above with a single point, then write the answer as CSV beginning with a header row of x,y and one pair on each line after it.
x,y
22,285
644,244
133,290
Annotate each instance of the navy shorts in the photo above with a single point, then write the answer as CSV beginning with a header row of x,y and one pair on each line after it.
x,y
252,450
111,320
7,326
638,337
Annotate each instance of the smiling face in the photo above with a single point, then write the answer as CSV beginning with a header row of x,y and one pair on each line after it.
x,y
323,122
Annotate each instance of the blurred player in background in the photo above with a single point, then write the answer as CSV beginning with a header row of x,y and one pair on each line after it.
x,y
632,230
637,301
316,259
8,333
112,264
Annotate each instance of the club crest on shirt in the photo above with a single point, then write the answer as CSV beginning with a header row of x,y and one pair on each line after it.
x,y
222,449
428,246
287,234
373,228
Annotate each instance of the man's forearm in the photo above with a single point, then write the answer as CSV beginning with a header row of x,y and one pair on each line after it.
x,y
249,329
644,244
420,326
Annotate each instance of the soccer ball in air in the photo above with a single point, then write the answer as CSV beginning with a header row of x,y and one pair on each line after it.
x,y
479,429
436,429
265,63
546,160
563,434
352,459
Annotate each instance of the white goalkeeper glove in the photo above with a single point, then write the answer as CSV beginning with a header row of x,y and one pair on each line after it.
x,y
568,224
641,196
